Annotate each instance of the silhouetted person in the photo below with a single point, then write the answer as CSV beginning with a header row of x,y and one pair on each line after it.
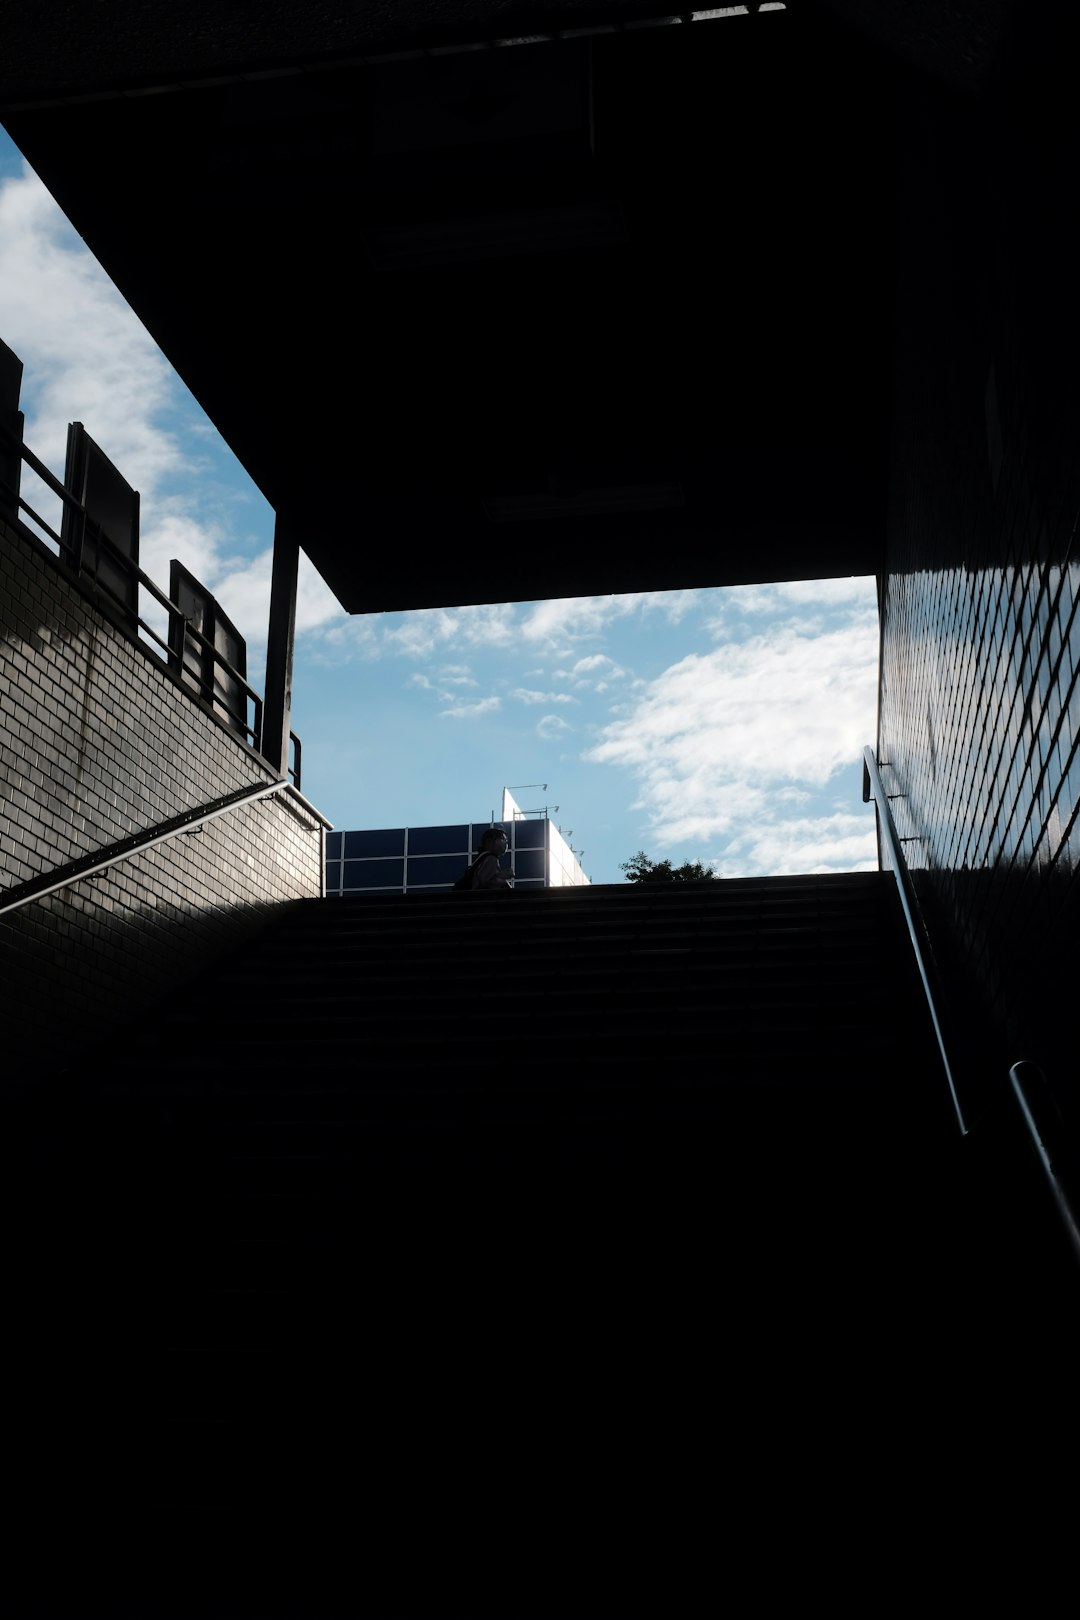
x,y
485,873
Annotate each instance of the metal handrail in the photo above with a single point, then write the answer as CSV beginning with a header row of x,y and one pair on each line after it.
x,y
253,732
1028,1081
874,788
87,865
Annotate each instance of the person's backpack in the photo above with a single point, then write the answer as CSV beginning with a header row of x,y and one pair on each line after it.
x,y
467,880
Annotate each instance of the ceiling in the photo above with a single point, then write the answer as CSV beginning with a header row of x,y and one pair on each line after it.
x,y
602,313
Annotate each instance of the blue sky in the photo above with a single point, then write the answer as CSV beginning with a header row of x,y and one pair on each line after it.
x,y
725,726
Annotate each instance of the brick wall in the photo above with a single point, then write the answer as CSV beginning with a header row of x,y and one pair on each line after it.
x,y
98,741
980,710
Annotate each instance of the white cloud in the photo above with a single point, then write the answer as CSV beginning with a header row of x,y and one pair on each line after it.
x,y
551,726
787,706
565,620
243,589
852,591
467,711
811,606
674,605
419,633
722,742
338,642
596,672
316,603
88,358
490,624
838,843
168,531
524,695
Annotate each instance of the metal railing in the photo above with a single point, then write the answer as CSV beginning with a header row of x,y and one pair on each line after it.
x,y
188,821
1030,1089
1048,1139
873,788
119,609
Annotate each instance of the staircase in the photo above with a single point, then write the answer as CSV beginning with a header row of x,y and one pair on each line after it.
x,y
517,1244
714,985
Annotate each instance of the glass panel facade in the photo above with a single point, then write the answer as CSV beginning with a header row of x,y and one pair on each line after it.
x,y
439,840
374,875
436,869
380,841
528,863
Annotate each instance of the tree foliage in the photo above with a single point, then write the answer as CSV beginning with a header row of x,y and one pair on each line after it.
x,y
639,869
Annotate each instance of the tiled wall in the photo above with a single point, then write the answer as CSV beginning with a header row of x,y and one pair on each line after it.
x,y
97,741
979,704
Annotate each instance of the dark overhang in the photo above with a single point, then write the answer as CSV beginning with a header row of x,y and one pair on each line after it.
x,y
606,311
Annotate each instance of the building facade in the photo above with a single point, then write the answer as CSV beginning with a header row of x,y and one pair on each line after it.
x,y
142,832
979,703
425,860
